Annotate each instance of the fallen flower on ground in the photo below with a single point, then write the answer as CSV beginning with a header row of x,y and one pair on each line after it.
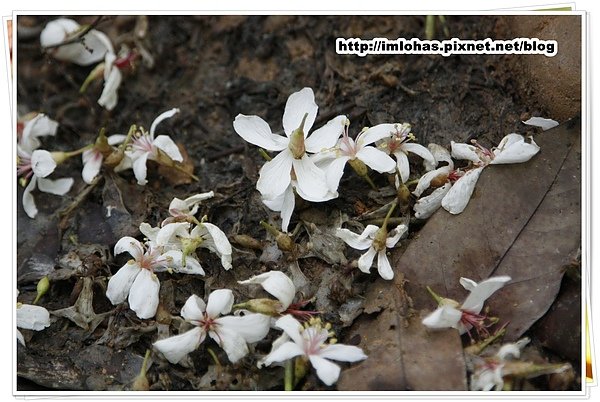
x,y
293,161
311,343
545,124
31,317
451,314
232,333
376,241
87,50
32,126
146,147
184,210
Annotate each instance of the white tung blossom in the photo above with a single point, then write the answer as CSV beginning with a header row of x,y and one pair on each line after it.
x,y
92,159
34,127
310,342
293,161
376,241
146,147
185,209
488,372
399,144
232,333
89,50
451,314
277,284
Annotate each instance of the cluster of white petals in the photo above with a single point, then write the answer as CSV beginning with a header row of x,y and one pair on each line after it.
x,y
37,164
376,241
488,374
91,48
451,314
232,333
310,342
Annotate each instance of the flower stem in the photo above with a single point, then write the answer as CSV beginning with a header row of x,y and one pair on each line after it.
x,y
264,154
270,228
368,180
435,296
389,214
288,380
182,170
214,357
145,362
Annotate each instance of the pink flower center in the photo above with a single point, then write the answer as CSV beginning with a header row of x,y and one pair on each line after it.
x,y
143,143
151,260
24,167
477,321
313,339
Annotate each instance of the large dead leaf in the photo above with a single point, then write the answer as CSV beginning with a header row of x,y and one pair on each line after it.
x,y
523,221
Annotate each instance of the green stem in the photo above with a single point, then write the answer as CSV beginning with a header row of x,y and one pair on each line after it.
x,y
389,214
145,362
270,228
214,357
182,170
264,154
368,180
132,130
289,375
435,296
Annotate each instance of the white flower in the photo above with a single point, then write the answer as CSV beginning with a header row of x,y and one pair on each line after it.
x,y
184,209
145,146
545,124
277,284
204,235
136,280
375,240
92,159
488,372
512,149
293,160
232,333
399,145
349,150
89,50
31,317
38,126
463,317
310,342
35,166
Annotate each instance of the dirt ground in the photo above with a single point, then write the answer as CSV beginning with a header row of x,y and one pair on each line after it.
x,y
212,68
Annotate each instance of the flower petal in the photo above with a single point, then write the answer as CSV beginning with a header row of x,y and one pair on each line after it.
x,y
428,159
326,136
343,353
139,168
189,206
275,283
457,198
465,152
376,133
395,235
275,175
483,290
61,29
426,206
219,244
42,163
327,371
514,149
402,164
545,124
232,343
161,117
130,245
150,232
193,309
467,283
41,125
168,234
32,317
116,139
376,159
298,104
120,283
334,172
440,154
256,131
284,352
28,200
311,180
191,267
291,327
383,266
251,327
110,93
358,241
366,260
166,144
143,295
22,340
219,302
443,317
177,347
56,187
92,161
287,208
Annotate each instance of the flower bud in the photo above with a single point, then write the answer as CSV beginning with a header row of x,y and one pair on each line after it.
x,y
359,167
296,144
42,288
268,307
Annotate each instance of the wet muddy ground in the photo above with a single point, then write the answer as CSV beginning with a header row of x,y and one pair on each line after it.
x,y
212,68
